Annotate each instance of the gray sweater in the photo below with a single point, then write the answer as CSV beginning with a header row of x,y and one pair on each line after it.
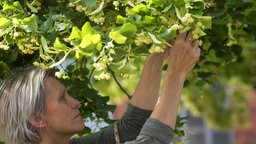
x,y
135,127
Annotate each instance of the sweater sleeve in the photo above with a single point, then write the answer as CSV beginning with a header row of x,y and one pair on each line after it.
x,y
132,122
154,132
129,128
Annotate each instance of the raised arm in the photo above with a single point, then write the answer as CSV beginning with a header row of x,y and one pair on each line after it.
x,y
147,91
182,58
144,98
158,129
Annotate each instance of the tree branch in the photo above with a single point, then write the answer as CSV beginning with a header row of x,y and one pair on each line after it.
x,y
90,77
120,86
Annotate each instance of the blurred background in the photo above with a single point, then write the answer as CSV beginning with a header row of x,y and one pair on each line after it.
x,y
202,133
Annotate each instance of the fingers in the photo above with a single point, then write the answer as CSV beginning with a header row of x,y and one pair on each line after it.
x,y
186,36
198,51
189,36
194,44
185,40
166,52
171,42
182,36
195,47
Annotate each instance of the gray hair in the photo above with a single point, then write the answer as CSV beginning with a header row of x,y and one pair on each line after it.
x,y
22,96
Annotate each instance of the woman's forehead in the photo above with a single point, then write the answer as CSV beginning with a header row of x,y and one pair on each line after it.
x,y
53,85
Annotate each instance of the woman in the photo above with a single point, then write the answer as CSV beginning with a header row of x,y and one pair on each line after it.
x,y
35,108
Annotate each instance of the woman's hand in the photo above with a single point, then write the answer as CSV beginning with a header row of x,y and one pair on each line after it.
x,y
182,58
183,55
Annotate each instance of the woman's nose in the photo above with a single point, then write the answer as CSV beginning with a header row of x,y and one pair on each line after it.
x,y
74,103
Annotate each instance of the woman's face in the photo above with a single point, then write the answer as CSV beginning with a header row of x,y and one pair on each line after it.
x,y
62,114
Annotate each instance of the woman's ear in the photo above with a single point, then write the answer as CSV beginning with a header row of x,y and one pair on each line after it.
x,y
37,121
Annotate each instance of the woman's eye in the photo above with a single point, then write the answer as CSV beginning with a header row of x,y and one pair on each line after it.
x,y
63,98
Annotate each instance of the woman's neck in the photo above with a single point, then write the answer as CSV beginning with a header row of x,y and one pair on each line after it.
x,y
54,139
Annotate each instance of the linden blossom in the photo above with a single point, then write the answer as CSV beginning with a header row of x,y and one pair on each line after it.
x,y
103,76
99,66
187,18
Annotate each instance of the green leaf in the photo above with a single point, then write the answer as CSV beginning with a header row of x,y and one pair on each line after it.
x,y
89,3
62,26
12,55
4,22
87,29
4,70
153,37
45,45
9,40
250,16
46,25
205,20
217,13
85,43
90,43
157,2
75,34
128,29
198,5
88,50
30,24
59,46
90,39
122,63
119,53
15,7
120,19
99,46
168,34
187,1
201,32
127,67
117,37
149,19
139,9
166,9
5,31
30,5
98,9
178,12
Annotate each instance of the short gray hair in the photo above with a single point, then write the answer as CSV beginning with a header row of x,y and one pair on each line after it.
x,y
22,96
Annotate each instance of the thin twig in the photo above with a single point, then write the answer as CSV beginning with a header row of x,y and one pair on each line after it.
x,y
120,86
90,77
